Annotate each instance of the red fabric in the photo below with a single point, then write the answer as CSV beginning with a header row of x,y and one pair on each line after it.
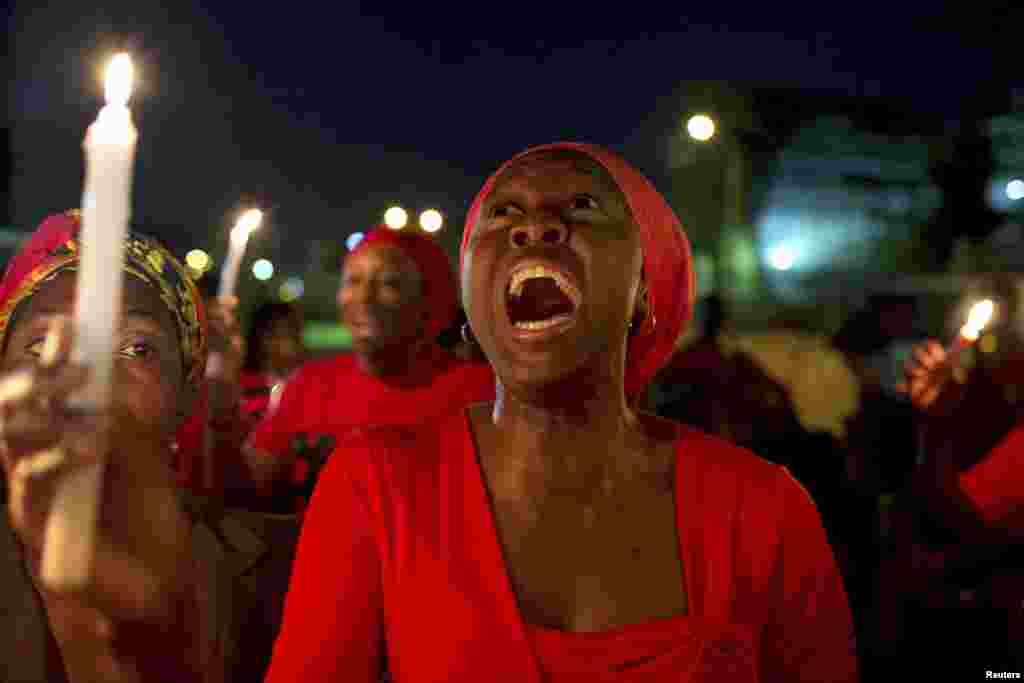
x,y
334,397
667,260
439,285
399,557
996,484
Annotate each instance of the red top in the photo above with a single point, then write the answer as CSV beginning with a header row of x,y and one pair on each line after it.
x,y
400,557
334,397
996,484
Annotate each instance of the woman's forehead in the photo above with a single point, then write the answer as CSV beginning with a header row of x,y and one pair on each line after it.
x,y
382,255
57,295
558,163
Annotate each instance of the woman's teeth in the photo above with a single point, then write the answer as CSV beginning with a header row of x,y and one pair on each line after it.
x,y
542,324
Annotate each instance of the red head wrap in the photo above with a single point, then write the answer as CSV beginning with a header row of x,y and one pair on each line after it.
x,y
439,288
668,268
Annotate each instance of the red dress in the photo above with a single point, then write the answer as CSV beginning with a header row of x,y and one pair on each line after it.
x,y
996,484
400,558
334,397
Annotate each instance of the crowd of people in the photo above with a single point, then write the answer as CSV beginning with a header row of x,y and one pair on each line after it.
x,y
559,495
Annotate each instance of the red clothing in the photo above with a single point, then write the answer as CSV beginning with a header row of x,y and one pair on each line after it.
x,y
257,388
996,484
334,397
400,557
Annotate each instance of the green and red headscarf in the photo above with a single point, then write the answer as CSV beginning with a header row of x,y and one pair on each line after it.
x,y
54,248
668,267
439,288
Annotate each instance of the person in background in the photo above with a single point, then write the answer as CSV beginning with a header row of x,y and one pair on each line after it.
x,y
554,534
962,579
274,348
397,294
179,589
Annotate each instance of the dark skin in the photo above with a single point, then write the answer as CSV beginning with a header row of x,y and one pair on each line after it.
x,y
142,582
572,471
380,301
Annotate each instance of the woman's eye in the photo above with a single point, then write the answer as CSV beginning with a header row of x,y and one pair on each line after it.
x,y
35,347
505,210
136,350
584,202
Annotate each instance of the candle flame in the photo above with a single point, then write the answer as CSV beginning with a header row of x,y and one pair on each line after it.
x,y
979,316
249,221
118,80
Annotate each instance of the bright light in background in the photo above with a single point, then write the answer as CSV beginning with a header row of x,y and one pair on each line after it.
x,y
353,240
396,218
198,260
291,289
782,257
701,127
1015,189
431,220
263,269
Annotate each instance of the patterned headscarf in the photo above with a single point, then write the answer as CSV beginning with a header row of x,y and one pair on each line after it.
x,y
54,248
439,288
668,268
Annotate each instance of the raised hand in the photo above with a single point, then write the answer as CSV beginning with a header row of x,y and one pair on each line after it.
x,y
930,379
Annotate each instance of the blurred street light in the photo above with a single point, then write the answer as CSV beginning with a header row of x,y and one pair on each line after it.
x,y
431,220
262,269
396,218
198,260
782,257
701,127
1015,189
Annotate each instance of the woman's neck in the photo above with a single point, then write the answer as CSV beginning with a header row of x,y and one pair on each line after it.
x,y
400,361
577,431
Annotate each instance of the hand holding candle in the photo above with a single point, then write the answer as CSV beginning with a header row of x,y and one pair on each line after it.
x,y
106,209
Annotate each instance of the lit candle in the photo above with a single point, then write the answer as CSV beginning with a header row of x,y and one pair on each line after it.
x,y
978,319
245,226
106,209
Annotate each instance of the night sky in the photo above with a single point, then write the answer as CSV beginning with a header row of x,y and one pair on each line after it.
x,y
327,114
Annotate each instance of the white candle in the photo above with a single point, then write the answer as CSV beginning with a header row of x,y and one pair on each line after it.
x,y
245,226
106,209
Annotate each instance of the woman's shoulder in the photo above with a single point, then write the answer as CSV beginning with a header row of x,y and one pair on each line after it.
x,y
707,452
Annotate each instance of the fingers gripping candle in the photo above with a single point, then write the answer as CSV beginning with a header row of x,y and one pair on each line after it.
x,y
106,210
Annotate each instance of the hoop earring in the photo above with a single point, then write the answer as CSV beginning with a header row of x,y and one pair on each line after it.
x,y
467,334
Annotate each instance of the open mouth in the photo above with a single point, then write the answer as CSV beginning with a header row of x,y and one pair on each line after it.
x,y
539,298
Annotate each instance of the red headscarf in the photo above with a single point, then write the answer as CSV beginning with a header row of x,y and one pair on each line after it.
x,y
439,288
668,268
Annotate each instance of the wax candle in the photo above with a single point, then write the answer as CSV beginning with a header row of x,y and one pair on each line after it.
x,y
245,226
106,209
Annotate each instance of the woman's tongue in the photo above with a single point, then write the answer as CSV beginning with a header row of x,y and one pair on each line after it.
x,y
540,300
